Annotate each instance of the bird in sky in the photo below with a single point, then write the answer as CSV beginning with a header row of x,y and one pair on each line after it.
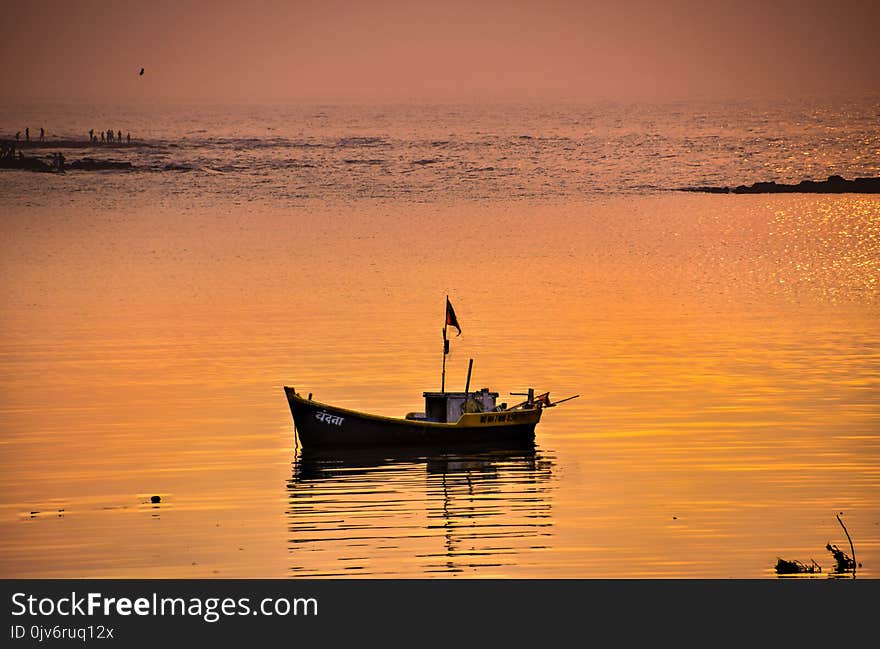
x,y
141,72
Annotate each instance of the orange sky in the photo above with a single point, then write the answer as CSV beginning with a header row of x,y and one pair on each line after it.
x,y
399,50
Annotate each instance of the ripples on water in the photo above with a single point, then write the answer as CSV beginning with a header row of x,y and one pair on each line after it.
x,y
430,153
423,512
725,347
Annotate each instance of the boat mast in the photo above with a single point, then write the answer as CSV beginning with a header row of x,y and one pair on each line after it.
x,y
445,350
449,319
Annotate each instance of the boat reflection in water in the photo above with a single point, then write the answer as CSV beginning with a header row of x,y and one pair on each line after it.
x,y
400,512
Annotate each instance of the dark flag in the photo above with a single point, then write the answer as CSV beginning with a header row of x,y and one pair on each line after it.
x,y
451,320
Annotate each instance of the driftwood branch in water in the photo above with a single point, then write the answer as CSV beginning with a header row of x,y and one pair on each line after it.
x,y
851,547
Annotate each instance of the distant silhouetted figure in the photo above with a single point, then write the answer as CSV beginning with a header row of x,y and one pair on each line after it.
x,y
27,134
102,137
42,132
119,136
17,136
91,135
128,138
141,73
109,135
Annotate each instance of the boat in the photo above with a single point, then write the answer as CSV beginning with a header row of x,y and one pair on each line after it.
x,y
449,418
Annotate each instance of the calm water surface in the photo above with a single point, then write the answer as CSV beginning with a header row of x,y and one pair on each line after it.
x,y
725,350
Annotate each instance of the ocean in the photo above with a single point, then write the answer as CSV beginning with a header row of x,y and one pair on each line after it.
x,y
724,348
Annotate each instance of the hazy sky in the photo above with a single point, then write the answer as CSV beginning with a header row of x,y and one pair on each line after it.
x,y
393,50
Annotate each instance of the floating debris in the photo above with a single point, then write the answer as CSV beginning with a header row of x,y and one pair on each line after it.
x,y
844,562
155,499
784,567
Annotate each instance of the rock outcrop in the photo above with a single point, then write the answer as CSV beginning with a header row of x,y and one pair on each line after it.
x,y
834,185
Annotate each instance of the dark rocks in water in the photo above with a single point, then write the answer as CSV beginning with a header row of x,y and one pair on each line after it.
x,y
25,163
86,164
795,567
707,190
833,185
57,143
759,188
92,164
155,499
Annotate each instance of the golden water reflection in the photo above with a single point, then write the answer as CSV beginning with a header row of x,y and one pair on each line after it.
x,y
467,510
725,348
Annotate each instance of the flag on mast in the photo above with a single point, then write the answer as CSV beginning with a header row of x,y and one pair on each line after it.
x,y
451,320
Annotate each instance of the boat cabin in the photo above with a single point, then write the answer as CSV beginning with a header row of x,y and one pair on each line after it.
x,y
447,407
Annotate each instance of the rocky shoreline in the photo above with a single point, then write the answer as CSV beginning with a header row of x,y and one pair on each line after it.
x,y
30,163
834,185
71,144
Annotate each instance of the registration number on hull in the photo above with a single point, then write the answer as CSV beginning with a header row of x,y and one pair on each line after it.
x,y
502,417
